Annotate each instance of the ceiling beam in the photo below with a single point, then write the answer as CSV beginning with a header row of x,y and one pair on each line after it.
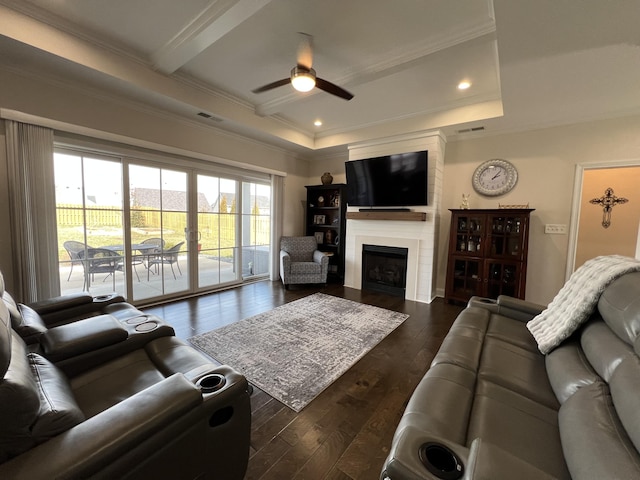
x,y
208,27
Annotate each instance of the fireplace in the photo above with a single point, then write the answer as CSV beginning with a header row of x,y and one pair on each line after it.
x,y
384,269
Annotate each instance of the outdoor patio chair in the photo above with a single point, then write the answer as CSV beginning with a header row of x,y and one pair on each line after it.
x,y
100,260
167,257
142,258
155,241
73,248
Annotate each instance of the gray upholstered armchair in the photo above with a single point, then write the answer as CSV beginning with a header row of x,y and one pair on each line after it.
x,y
301,261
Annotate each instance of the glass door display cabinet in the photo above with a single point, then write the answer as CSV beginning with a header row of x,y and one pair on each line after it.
x,y
487,253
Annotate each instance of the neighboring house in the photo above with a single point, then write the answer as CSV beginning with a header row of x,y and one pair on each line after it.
x,y
172,200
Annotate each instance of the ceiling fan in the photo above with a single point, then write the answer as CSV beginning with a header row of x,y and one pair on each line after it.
x,y
303,77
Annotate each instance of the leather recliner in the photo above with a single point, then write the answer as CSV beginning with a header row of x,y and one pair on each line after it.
x,y
157,409
79,331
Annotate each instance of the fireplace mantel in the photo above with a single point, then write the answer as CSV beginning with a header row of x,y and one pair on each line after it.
x,y
386,215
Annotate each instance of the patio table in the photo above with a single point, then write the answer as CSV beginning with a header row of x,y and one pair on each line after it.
x,y
145,249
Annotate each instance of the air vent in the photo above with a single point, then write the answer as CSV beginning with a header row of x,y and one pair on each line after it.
x,y
209,116
472,129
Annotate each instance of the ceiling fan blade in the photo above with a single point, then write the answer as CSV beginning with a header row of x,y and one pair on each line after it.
x,y
272,85
333,89
305,52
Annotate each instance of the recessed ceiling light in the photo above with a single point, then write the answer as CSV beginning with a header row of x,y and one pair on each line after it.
x,y
464,85
318,123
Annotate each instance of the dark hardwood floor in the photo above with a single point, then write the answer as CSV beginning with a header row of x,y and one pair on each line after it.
x,y
345,433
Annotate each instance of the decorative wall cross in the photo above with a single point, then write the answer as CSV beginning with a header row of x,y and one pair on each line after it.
x,y
607,202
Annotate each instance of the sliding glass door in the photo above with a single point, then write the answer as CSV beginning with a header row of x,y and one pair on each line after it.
x,y
216,231
233,230
164,232
158,226
256,229
89,210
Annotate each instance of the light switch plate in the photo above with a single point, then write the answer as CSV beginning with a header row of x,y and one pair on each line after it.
x,y
555,229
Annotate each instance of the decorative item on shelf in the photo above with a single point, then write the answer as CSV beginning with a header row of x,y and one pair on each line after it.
x,y
321,201
465,201
337,239
519,206
319,237
335,200
326,178
318,219
331,236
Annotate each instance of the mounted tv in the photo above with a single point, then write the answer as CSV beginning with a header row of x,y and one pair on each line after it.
x,y
390,181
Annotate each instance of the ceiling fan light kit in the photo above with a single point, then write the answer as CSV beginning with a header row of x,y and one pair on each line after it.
x,y
303,79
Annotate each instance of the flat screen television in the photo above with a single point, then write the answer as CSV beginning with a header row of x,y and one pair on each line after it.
x,y
390,181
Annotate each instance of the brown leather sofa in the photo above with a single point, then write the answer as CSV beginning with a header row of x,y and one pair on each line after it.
x,y
491,406
96,398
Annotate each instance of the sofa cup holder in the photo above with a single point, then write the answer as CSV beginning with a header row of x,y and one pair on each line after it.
x,y
211,383
490,301
441,461
147,326
137,320
103,298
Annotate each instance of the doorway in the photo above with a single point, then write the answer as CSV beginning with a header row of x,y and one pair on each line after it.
x,y
606,212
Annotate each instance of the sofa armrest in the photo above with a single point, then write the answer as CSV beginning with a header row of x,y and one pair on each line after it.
x,y
66,308
103,439
82,336
285,260
320,257
518,309
405,460
50,305
489,462
511,307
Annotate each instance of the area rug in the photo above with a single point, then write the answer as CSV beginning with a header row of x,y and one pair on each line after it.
x,y
295,351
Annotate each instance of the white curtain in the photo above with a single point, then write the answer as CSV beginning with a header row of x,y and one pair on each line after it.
x,y
33,212
277,205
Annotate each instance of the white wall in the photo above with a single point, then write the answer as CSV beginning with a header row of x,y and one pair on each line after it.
x,y
110,114
422,237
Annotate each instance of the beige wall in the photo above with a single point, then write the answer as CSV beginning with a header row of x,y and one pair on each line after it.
x,y
113,115
546,160
622,235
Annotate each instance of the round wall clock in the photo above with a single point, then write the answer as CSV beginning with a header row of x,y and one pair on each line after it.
x,y
494,177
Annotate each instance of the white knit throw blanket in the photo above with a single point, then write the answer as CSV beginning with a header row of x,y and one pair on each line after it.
x,y
576,300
